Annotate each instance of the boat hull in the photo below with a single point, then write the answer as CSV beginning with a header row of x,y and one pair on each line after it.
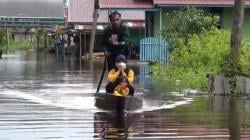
x,y
117,103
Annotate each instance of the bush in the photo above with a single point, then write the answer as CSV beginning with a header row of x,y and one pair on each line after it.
x,y
19,45
202,55
13,44
245,57
185,22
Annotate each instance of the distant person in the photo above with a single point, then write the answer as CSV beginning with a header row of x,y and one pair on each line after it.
x,y
119,72
115,39
60,45
76,39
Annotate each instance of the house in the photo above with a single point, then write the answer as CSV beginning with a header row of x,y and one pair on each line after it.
x,y
156,9
138,5
80,18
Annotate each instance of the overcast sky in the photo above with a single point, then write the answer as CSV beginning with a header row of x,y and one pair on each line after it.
x,y
32,8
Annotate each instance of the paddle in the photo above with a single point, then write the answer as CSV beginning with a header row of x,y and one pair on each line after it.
x,y
103,71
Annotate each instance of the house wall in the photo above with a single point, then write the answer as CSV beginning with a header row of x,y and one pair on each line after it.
x,y
136,34
149,23
157,24
228,19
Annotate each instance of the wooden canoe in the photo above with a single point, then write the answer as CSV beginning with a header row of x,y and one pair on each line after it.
x,y
117,103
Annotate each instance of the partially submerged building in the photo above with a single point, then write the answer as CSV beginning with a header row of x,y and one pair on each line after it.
x,y
155,11
80,19
155,19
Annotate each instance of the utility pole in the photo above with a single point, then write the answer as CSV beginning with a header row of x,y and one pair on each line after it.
x,y
92,38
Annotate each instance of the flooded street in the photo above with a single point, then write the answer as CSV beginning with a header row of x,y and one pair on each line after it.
x,y
45,99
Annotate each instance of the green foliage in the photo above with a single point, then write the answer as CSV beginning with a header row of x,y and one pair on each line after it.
x,y
42,37
19,45
245,57
181,24
242,68
202,55
2,37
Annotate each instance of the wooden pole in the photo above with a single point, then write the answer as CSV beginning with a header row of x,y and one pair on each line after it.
x,y
38,41
45,40
62,45
56,37
161,23
92,38
8,40
80,51
31,37
85,46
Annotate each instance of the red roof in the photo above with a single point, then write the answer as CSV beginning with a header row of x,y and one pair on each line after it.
x,y
81,11
145,4
198,2
126,4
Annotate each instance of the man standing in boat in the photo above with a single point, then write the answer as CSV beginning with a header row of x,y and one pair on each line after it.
x,y
121,70
115,39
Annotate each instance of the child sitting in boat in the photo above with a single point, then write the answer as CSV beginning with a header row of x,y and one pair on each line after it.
x,y
122,88
121,70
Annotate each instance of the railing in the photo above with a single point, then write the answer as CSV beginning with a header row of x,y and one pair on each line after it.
x,y
154,49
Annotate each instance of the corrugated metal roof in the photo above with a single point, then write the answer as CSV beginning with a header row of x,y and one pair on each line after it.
x,y
81,11
132,15
126,4
197,2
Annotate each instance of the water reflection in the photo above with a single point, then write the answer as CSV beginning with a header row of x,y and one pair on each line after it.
x,y
114,126
234,119
145,78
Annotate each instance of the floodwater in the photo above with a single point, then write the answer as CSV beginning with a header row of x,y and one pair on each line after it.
x,y
42,98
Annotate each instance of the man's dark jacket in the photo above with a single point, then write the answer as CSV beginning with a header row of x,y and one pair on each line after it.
x,y
123,36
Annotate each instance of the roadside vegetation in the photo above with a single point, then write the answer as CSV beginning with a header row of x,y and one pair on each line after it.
x,y
198,48
41,41
2,38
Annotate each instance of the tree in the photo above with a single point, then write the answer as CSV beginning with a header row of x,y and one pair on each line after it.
x,y
236,35
181,24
